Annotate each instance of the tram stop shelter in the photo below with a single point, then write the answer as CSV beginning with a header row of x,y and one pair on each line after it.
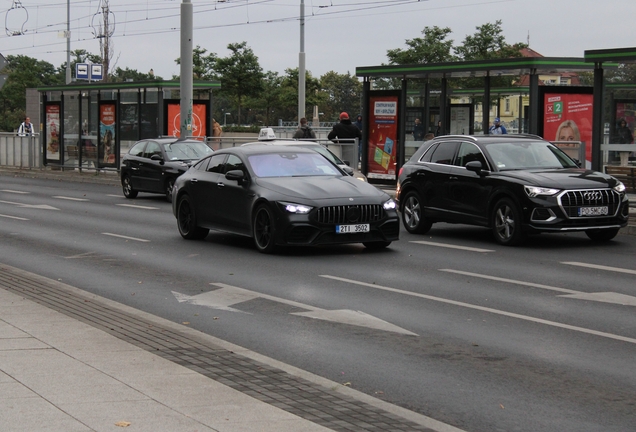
x,y
547,91
88,125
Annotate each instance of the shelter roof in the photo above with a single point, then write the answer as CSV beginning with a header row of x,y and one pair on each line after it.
x,y
197,85
621,55
478,68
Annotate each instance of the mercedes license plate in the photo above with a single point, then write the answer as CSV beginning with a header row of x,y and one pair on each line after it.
x,y
346,229
593,211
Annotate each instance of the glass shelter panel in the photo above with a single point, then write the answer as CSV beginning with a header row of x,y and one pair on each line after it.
x,y
70,134
128,119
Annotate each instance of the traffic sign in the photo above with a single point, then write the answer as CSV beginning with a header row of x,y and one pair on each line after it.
x,y
96,72
81,71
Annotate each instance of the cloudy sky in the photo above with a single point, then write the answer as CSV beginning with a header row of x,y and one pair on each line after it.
x,y
340,35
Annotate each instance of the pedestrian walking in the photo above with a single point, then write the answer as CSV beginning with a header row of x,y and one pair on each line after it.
x,y
304,131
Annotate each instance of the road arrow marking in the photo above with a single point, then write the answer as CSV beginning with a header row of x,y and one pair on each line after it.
x,y
600,267
484,309
35,206
228,295
605,297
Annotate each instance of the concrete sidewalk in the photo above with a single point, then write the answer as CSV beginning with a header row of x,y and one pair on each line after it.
x,y
73,361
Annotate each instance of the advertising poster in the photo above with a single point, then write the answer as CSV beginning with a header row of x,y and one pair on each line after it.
x,y
382,139
52,124
199,112
568,117
106,150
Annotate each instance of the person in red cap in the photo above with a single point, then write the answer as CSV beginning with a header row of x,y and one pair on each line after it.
x,y
345,131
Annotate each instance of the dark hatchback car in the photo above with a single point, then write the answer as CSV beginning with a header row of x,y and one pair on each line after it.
x,y
513,184
282,195
153,165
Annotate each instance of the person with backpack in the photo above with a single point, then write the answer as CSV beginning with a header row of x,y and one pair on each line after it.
x,y
304,131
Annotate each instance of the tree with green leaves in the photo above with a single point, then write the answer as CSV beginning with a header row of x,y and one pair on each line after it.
x,y
22,73
342,92
289,94
240,74
488,43
123,75
434,47
202,65
267,102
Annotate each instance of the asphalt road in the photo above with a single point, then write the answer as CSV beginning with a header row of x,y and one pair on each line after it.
x,y
450,324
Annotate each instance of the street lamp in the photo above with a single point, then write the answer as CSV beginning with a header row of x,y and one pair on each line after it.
x,y
225,119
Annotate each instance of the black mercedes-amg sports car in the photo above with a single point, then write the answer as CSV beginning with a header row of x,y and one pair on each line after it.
x,y
282,195
513,184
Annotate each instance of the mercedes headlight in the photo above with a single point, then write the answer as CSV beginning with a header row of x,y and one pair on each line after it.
x,y
296,208
390,205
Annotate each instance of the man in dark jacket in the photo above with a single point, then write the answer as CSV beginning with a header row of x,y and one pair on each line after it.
x,y
345,130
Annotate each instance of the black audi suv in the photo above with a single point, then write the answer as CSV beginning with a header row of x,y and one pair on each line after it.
x,y
513,184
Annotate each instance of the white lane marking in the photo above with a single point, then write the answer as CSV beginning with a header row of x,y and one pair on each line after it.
x,y
600,267
35,206
84,255
486,309
605,297
445,245
126,237
495,278
229,295
70,198
14,191
116,196
13,217
138,206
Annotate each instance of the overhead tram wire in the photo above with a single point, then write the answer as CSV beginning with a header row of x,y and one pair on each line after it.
x,y
227,5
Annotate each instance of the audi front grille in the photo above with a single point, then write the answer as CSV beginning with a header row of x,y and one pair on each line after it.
x,y
571,201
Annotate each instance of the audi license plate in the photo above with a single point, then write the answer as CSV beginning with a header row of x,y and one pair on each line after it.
x,y
593,211
346,229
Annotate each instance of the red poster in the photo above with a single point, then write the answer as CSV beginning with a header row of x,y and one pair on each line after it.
x,y
52,132
107,134
382,140
199,112
568,117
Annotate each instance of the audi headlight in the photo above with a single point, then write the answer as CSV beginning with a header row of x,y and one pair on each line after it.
x,y
534,191
389,205
619,187
296,208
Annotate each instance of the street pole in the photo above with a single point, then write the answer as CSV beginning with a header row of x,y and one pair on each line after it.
x,y
186,68
68,41
301,64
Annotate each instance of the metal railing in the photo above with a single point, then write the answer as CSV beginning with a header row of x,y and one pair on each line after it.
x,y
26,151
20,151
347,151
